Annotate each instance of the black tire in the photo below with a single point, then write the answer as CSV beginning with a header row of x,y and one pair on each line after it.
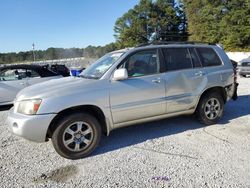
x,y
69,122
202,107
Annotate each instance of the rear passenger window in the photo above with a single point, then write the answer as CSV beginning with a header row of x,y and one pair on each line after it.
x,y
194,57
177,58
208,57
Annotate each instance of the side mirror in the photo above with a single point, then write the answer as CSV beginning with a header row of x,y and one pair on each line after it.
x,y
120,74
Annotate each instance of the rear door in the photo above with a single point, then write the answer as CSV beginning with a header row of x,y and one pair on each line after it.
x,y
11,82
184,77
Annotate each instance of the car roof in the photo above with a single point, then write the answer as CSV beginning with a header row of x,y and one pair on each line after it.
x,y
174,45
122,50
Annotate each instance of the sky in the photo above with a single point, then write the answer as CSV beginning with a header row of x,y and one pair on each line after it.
x,y
58,23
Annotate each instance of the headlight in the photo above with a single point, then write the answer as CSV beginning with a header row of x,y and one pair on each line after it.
x,y
28,107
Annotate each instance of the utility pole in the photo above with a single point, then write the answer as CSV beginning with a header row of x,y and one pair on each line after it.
x,y
33,49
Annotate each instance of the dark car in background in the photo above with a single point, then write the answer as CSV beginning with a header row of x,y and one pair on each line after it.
x,y
59,69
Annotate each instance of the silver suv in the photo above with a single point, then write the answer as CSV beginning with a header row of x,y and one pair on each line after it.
x,y
122,88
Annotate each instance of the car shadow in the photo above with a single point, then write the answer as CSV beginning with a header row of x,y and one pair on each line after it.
x,y
140,133
236,109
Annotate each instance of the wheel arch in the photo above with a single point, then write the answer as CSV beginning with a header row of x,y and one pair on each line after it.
x,y
218,89
89,109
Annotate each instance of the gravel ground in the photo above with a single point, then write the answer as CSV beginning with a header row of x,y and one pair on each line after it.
x,y
176,152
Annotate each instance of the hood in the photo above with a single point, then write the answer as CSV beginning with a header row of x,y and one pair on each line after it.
x,y
56,87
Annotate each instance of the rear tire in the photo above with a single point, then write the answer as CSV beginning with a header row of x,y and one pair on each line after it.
x,y
210,108
76,136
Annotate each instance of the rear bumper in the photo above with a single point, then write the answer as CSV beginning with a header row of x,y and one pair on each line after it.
x,y
231,91
30,127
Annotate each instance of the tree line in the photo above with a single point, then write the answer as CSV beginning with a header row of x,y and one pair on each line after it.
x,y
215,21
57,53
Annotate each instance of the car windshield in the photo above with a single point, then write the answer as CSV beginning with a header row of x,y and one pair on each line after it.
x,y
97,69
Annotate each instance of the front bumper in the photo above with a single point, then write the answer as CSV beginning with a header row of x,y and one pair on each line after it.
x,y
30,127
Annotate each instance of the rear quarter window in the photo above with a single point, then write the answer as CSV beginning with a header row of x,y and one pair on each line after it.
x,y
208,57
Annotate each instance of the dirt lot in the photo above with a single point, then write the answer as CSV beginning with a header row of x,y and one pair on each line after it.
x,y
177,152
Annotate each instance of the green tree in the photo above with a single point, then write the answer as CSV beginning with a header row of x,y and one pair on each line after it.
x,y
50,54
220,21
151,20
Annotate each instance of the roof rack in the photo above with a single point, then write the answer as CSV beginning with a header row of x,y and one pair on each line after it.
x,y
173,42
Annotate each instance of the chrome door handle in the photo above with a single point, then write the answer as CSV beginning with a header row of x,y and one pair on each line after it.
x,y
157,80
200,73
22,83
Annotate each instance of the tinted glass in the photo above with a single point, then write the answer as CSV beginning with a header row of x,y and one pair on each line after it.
x,y
142,63
32,74
194,57
13,74
177,58
208,57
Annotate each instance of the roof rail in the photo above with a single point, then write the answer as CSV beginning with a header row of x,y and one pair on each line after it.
x,y
173,42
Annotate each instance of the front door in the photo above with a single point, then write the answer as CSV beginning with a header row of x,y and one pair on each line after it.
x,y
142,95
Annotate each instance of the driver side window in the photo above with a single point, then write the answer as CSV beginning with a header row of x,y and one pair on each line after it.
x,y
142,63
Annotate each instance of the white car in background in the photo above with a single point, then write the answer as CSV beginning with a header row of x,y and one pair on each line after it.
x,y
244,67
16,77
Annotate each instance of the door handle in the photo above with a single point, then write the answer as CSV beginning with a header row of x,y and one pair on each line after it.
x,y
200,73
22,83
157,80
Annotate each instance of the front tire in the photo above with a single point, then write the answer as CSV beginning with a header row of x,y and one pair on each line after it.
x,y
210,108
76,136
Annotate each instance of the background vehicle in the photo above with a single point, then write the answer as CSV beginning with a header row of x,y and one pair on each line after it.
x,y
16,77
59,69
244,67
150,82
